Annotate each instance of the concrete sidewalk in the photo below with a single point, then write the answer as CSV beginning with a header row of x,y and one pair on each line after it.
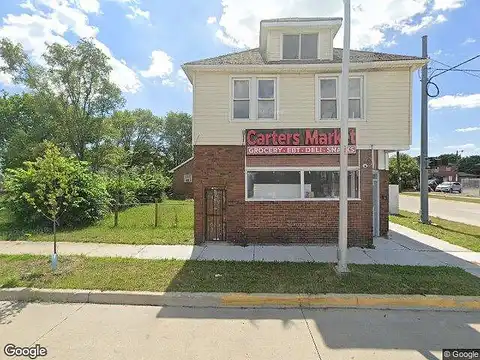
x,y
404,247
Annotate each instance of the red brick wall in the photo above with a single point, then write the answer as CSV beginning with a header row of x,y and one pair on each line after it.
x,y
383,202
276,222
179,186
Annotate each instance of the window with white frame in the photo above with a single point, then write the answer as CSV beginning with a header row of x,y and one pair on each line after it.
x,y
304,184
355,96
254,98
328,98
328,102
266,99
300,46
241,98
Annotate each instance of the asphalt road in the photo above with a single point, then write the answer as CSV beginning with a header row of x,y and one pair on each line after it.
x,y
467,213
88,331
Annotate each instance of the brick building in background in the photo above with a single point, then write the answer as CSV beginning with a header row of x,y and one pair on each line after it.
x,y
182,180
266,136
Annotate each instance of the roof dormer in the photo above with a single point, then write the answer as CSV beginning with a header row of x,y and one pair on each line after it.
x,y
298,39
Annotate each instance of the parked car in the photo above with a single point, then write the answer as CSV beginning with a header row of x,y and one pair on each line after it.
x,y
449,186
432,184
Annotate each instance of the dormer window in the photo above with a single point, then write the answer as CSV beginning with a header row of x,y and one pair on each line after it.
x,y
300,46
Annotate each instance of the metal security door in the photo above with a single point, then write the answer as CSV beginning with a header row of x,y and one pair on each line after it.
x,y
215,229
376,203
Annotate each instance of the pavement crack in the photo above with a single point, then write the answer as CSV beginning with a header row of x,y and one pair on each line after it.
x,y
311,335
308,252
57,325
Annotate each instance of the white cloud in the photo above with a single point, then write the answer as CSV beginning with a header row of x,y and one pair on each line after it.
x,y
466,149
28,5
168,82
426,21
468,129
161,65
456,101
212,20
469,41
448,4
89,6
238,25
137,12
182,78
52,23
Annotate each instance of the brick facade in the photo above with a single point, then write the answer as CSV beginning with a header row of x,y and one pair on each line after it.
x,y
282,222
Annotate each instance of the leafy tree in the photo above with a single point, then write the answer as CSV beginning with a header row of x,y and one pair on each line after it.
x,y
55,188
470,164
409,171
139,134
75,81
24,127
177,138
448,159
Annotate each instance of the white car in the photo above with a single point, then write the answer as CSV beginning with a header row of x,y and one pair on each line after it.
x,y
449,187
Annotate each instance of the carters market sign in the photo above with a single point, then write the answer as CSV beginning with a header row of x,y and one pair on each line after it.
x,y
297,141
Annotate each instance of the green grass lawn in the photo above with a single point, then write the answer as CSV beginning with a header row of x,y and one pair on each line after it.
x,y
446,196
76,272
467,236
135,226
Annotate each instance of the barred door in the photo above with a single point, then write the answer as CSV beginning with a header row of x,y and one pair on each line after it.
x,y
215,228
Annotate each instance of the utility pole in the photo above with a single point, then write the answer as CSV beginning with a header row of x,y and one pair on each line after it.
x,y
424,218
343,196
399,177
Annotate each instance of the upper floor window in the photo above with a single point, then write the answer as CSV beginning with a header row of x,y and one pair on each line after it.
x,y
300,46
241,99
254,98
328,102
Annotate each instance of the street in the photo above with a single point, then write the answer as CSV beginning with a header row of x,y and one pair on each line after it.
x,y
467,213
89,331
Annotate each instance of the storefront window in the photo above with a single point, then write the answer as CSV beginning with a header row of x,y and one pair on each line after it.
x,y
272,185
287,185
326,184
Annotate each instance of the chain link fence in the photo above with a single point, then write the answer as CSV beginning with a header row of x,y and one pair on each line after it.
x,y
471,187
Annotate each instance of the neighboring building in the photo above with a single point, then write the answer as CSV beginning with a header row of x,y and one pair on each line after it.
x,y
182,182
266,134
445,173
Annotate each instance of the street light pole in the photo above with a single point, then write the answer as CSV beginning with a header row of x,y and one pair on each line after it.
x,y
424,139
343,196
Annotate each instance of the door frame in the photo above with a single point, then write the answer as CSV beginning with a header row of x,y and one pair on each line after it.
x,y
221,216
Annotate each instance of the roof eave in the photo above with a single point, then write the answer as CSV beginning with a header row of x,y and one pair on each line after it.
x,y
413,64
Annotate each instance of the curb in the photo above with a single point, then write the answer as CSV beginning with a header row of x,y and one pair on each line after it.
x,y
241,300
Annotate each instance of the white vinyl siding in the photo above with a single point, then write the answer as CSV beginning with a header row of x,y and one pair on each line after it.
x,y
387,114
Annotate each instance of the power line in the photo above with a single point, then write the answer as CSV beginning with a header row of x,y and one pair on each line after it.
x,y
466,71
451,68
469,70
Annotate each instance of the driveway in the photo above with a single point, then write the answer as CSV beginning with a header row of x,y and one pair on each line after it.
x,y
90,331
467,213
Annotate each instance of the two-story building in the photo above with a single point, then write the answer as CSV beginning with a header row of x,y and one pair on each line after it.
x,y
266,136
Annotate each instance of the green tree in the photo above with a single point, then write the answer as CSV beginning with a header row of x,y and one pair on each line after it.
x,y
24,127
75,81
409,171
177,138
470,164
139,134
60,189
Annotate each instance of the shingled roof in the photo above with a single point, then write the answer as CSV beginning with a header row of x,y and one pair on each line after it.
x,y
254,57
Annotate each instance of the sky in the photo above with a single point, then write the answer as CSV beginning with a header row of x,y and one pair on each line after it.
x,y
148,41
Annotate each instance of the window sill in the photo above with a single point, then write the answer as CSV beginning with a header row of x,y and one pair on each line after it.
x,y
253,120
300,200
354,120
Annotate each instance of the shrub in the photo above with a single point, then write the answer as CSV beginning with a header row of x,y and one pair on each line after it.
x,y
54,186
